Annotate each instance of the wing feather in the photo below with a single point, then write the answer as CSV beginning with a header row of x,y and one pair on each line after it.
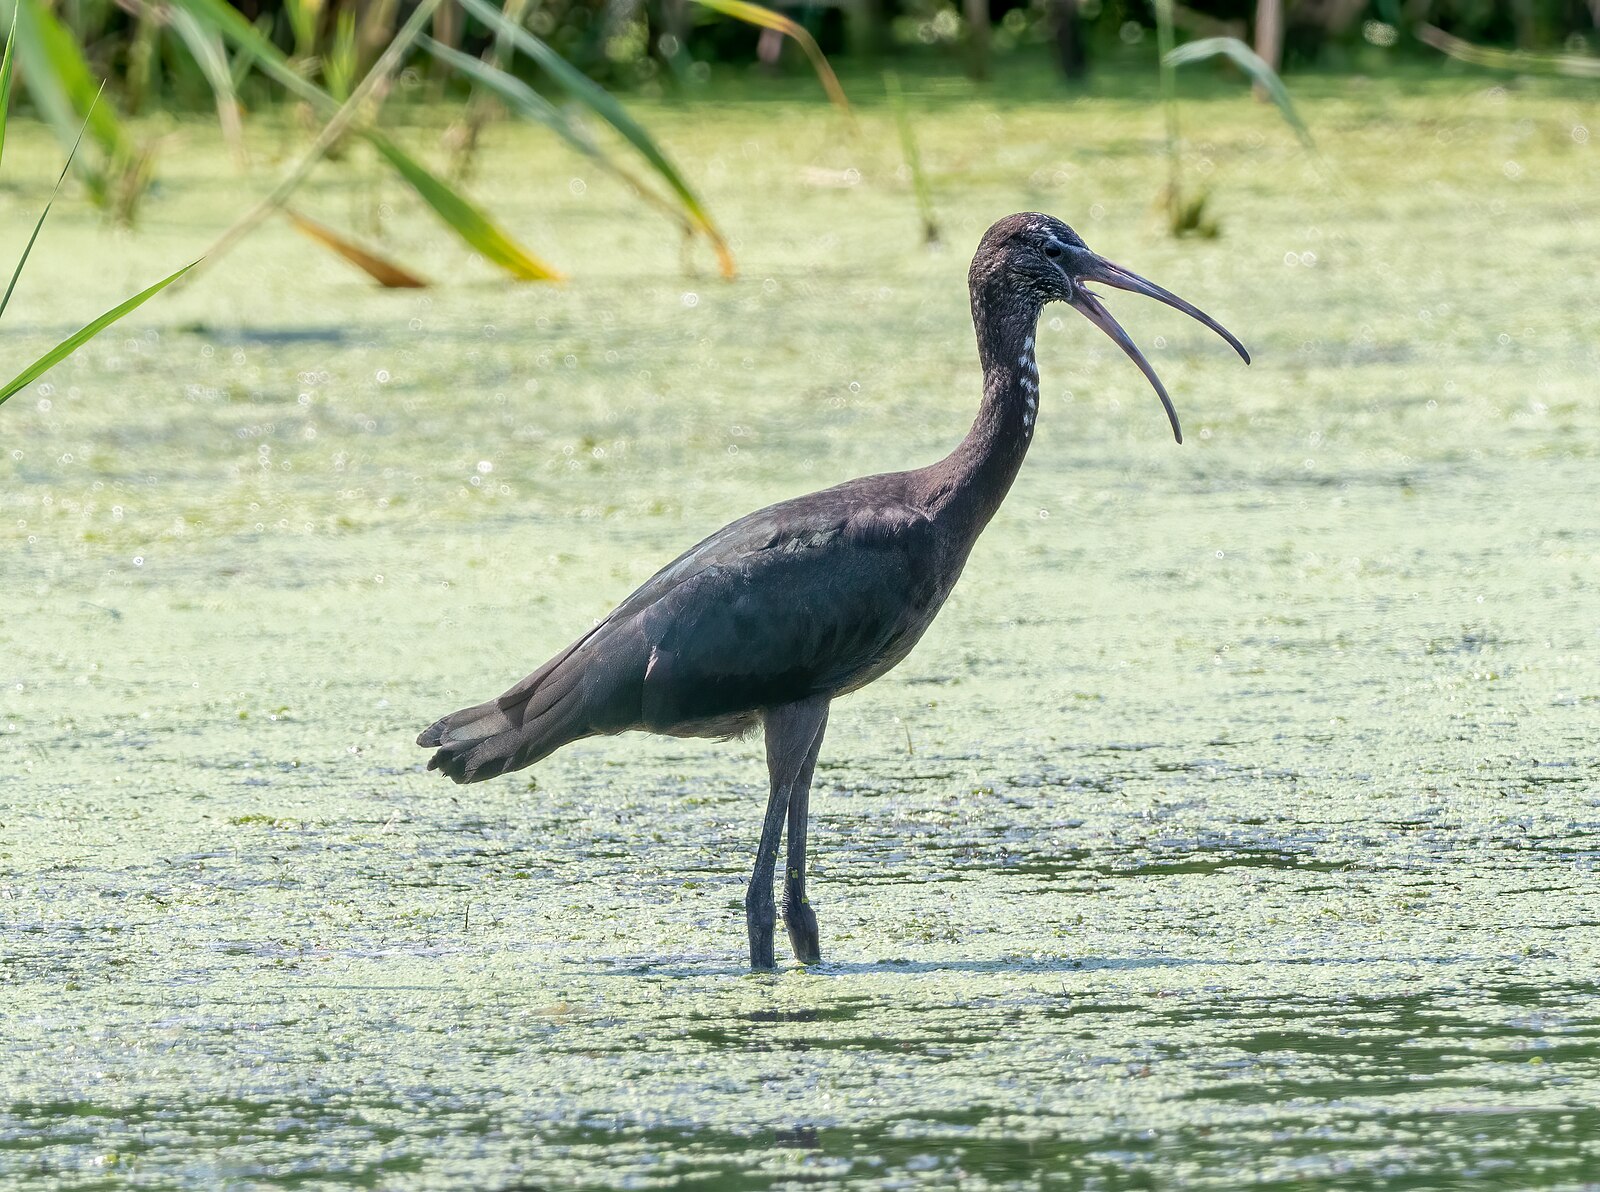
x,y
818,608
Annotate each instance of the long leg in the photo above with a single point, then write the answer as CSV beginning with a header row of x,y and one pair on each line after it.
x,y
798,915
793,733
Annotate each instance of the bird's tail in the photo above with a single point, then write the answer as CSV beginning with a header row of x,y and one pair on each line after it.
x,y
513,730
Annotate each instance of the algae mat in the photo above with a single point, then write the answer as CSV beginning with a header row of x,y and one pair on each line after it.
x,y
1236,823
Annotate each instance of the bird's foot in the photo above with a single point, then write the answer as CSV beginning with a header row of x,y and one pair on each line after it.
x,y
801,921
761,916
761,957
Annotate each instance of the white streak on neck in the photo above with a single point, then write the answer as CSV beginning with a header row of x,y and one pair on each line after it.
x,y
1028,378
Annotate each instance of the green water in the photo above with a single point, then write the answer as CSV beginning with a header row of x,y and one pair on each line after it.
x,y
1236,823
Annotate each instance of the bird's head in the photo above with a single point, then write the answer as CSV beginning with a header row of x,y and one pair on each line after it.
x,y
1039,259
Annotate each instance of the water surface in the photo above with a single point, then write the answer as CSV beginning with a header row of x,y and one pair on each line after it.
x,y
1236,823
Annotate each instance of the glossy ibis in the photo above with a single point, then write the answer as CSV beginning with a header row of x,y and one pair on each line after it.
x,y
772,617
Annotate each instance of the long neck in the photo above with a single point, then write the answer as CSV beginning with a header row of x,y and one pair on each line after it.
x,y
968,485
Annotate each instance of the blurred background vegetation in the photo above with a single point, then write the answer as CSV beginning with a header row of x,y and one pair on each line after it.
x,y
573,66
153,52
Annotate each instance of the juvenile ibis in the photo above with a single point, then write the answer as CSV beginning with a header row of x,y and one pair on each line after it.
x,y
773,617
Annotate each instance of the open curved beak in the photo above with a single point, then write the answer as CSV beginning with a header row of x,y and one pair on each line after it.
x,y
1091,267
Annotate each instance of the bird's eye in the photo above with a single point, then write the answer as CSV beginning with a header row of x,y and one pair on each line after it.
x,y
1052,251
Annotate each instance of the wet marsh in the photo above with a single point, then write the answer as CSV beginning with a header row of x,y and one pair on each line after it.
x,y
1236,822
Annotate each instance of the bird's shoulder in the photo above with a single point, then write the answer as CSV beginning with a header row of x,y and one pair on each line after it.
x,y
871,511
859,518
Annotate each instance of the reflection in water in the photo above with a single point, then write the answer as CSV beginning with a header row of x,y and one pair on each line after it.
x,y
1417,1087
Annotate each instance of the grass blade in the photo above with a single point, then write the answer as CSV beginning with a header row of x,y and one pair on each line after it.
x,y
303,18
60,178
47,45
1476,55
514,92
52,98
463,217
339,62
335,128
78,338
206,48
1253,65
908,147
765,18
385,273
5,82
457,212
1169,102
233,26
604,105
525,101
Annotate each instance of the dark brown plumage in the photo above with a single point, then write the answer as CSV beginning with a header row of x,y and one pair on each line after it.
x,y
772,617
